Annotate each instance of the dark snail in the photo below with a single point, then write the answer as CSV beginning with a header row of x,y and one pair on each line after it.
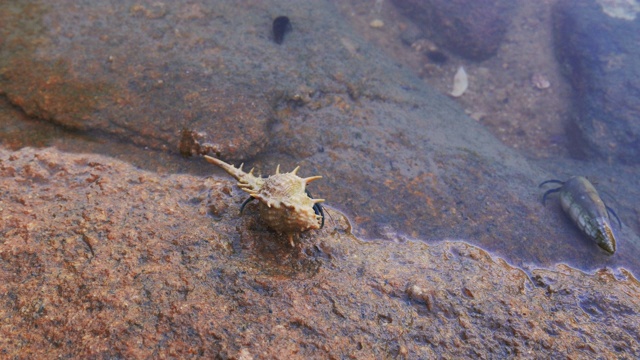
x,y
281,25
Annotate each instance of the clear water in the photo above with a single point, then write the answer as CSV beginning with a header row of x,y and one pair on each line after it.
x,y
401,167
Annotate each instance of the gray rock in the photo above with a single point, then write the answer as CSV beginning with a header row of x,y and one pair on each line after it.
x,y
599,54
473,29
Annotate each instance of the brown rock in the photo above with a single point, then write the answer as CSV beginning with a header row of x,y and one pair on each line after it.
x,y
401,159
128,70
99,259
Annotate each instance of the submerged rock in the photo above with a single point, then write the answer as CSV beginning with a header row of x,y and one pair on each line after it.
x,y
403,160
599,53
473,29
101,260
141,73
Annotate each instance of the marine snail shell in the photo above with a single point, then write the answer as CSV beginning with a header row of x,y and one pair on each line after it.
x,y
284,204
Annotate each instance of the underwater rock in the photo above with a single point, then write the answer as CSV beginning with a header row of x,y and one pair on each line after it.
x,y
125,70
403,159
472,29
599,55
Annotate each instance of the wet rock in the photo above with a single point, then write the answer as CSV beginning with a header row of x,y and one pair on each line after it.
x,y
474,29
140,72
599,53
403,160
101,260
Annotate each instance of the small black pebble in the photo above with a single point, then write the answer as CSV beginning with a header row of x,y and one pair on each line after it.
x,y
281,25
437,57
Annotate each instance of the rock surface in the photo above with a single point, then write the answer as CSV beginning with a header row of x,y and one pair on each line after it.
x,y
473,29
403,160
101,260
599,54
141,71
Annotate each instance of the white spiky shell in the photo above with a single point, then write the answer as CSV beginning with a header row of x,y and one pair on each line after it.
x,y
284,205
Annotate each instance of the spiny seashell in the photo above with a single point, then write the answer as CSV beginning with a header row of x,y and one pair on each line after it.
x,y
284,204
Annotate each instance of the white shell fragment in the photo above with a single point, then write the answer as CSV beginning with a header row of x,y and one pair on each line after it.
x,y
620,9
460,83
540,81
376,24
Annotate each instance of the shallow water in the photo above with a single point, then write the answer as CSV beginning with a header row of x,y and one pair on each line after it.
x,y
420,193
20,132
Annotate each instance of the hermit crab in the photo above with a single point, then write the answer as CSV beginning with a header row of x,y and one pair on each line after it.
x,y
285,204
580,200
